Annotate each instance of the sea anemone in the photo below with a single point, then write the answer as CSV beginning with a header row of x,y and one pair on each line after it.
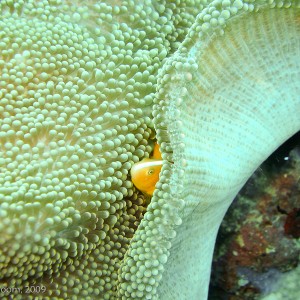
x,y
85,88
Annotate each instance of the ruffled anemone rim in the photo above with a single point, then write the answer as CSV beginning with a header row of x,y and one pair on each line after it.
x,y
166,210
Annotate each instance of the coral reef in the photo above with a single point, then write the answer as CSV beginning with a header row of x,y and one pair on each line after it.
x,y
254,248
287,287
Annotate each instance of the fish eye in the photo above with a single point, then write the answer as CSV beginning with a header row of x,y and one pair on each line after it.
x,y
150,172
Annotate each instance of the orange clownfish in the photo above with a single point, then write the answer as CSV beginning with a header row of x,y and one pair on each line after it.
x,y
156,152
145,173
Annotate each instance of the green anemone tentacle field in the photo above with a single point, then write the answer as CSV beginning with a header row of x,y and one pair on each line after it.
x,y
86,87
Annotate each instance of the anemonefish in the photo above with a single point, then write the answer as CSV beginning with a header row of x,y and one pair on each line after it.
x,y
145,173
156,152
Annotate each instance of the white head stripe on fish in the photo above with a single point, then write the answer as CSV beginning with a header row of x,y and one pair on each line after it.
x,y
147,164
